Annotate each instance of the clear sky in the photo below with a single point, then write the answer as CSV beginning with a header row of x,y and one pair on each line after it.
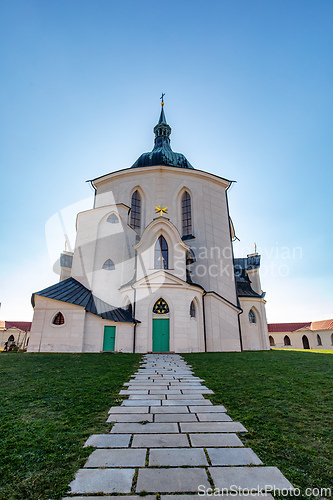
x,y
248,88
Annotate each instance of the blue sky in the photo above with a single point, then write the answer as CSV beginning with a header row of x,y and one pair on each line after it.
x,y
248,88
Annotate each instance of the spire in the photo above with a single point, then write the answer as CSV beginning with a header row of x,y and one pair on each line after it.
x,y
162,153
162,130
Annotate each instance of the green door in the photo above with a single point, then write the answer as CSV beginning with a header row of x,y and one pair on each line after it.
x,y
109,338
161,335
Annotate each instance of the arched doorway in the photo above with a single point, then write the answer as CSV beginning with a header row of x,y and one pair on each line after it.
x,y
305,341
161,326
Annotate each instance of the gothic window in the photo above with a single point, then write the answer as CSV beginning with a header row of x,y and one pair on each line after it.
x,y
161,254
135,221
252,317
193,312
286,340
271,340
186,214
161,307
319,342
113,219
58,319
108,265
332,339
11,338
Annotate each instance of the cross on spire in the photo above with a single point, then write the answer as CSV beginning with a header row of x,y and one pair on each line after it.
x,y
162,103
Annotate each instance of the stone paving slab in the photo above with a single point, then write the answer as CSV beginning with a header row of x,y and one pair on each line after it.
x,y
145,397
108,441
169,409
171,480
175,417
205,440
212,427
164,391
145,402
122,409
232,456
131,417
209,496
177,457
210,409
185,396
159,440
102,480
248,477
213,417
186,402
149,428
129,392
126,457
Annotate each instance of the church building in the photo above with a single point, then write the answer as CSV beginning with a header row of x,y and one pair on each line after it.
x,y
153,267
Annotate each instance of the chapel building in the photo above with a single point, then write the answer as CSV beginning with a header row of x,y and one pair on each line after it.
x,y
153,267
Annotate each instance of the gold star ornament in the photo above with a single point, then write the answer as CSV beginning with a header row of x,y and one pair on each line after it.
x,y
161,210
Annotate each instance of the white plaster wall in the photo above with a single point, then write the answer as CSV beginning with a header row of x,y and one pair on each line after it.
x,y
97,240
146,249
164,186
17,334
254,335
222,328
186,333
94,334
296,339
46,337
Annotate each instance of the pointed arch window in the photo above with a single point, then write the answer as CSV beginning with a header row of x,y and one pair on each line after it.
x,y
161,254
161,307
135,221
252,317
287,340
113,219
319,342
109,265
186,214
58,319
193,312
271,340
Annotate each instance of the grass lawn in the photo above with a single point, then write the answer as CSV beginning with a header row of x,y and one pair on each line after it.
x,y
49,406
285,400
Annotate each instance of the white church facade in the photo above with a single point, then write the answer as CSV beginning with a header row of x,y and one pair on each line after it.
x,y
153,267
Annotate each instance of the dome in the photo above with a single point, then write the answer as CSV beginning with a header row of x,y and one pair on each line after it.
x,y
162,153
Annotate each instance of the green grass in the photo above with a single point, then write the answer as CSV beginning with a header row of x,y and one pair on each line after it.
x,y
285,400
49,406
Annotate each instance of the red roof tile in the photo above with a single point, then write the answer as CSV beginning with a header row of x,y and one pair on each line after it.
x,y
326,324
286,327
22,325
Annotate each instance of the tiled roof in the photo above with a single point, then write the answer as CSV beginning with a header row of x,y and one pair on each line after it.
x,y
326,324
21,325
73,292
286,327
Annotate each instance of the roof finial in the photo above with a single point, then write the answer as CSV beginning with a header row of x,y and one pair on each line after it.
x,y
162,103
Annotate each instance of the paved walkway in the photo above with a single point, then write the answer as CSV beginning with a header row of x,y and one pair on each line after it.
x,y
169,439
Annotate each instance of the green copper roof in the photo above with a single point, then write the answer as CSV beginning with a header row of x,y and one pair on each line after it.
x,y
162,153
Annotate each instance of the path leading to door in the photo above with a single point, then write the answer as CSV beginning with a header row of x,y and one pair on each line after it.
x,y
169,439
